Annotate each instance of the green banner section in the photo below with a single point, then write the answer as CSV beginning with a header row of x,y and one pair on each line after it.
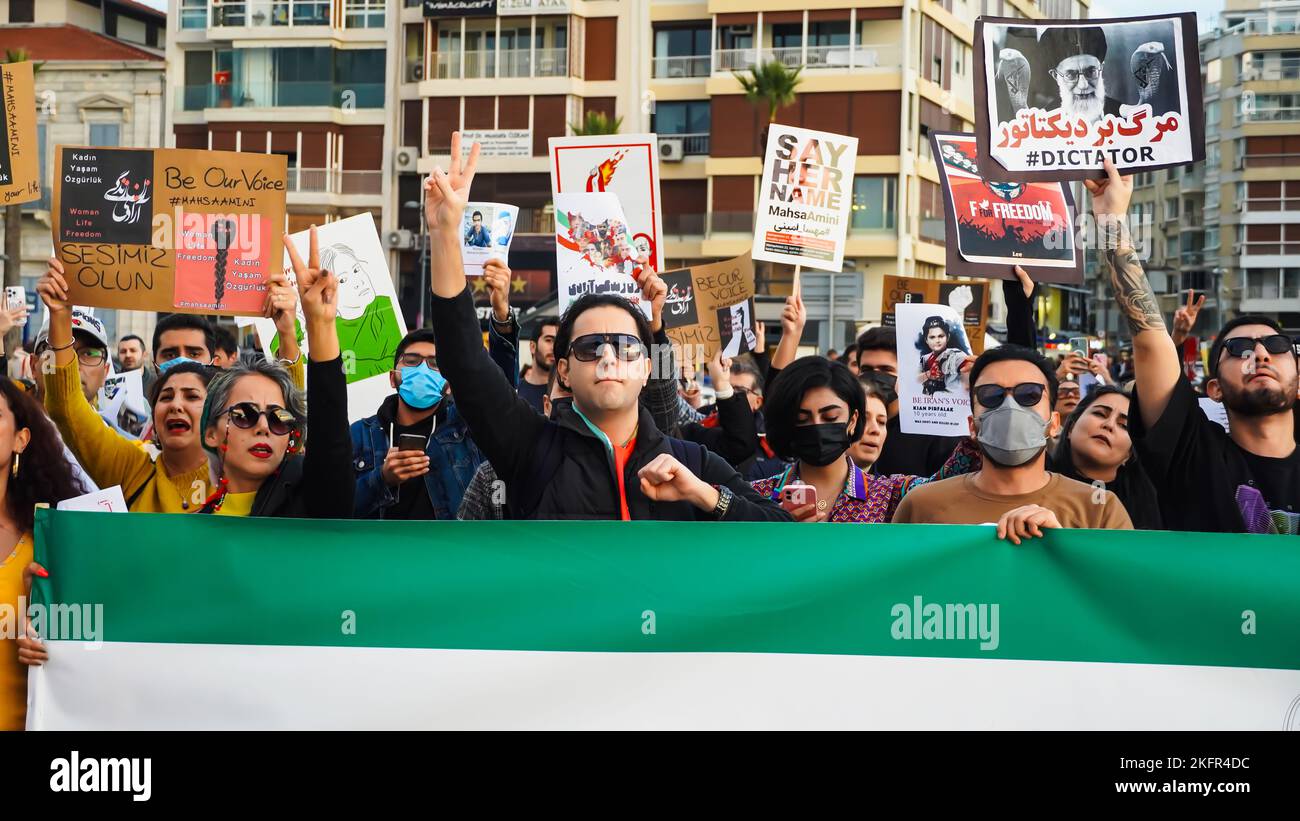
x,y
894,590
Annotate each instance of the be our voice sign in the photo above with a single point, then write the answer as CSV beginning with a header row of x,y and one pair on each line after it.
x,y
804,197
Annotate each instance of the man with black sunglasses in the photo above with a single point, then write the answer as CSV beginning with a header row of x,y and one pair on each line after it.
x,y
1244,480
1013,392
603,458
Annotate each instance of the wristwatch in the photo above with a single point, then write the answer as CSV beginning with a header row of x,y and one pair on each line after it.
x,y
724,502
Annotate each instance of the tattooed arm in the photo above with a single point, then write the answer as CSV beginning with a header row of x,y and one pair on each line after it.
x,y
1155,359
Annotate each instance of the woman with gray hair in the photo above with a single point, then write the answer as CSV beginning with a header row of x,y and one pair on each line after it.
x,y
255,421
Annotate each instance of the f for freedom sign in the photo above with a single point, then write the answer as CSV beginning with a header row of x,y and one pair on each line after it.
x,y
804,198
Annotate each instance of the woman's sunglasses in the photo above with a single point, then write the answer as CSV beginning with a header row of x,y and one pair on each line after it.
x,y
1026,394
245,415
1239,346
626,347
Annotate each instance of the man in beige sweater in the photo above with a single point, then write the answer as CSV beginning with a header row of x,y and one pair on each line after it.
x,y
1013,391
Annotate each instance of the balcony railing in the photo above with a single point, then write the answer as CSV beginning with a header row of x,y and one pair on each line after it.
x,y
1285,68
813,58
692,144
1268,24
257,13
363,14
682,66
1270,160
281,95
486,63
333,181
1258,249
1271,204
1270,115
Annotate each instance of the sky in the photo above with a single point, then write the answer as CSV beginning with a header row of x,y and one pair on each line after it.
x,y
1207,11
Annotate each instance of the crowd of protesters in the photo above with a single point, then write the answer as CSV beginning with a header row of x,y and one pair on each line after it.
x,y
606,423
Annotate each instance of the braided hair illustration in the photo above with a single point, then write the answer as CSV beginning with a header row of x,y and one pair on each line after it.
x,y
223,234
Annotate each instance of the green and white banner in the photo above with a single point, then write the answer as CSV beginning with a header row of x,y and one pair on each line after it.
x,y
180,622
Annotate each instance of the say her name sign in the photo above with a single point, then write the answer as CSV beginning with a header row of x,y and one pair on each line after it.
x,y
804,198
20,179
169,229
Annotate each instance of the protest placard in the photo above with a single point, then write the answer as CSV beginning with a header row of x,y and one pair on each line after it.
x,y
122,400
993,226
711,308
169,229
20,169
626,165
486,233
369,322
1053,98
804,198
932,347
108,500
593,253
970,299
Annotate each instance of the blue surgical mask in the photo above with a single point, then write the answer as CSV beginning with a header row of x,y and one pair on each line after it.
x,y
421,387
180,360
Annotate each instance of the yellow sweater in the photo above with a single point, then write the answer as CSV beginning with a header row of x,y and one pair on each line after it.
x,y
13,673
111,459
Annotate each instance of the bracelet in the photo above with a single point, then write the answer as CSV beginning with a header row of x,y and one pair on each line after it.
x,y
61,347
290,363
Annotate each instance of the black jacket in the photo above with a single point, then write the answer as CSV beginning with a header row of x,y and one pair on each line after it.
x,y
319,484
734,435
560,469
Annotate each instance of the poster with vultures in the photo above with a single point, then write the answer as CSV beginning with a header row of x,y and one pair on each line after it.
x,y
169,229
20,176
1054,98
993,226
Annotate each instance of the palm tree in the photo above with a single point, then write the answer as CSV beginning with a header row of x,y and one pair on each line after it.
x,y
772,83
14,220
595,123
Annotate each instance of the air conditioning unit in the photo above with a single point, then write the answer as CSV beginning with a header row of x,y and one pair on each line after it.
x,y
402,239
416,72
672,149
406,158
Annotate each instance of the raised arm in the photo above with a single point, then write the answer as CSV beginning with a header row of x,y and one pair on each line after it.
x,y
1018,294
1155,359
503,328
793,318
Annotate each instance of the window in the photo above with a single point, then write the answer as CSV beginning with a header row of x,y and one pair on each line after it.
x,y
787,35
1171,208
873,203
1171,248
1212,118
1291,283
828,33
108,135
681,51
194,14
681,117
22,11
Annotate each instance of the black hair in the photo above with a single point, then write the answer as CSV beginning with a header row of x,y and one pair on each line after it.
x,y
223,339
878,339
956,335
44,473
129,337
781,405
418,335
541,322
1098,391
185,322
1216,350
741,366
584,303
478,214
203,372
1016,353
851,353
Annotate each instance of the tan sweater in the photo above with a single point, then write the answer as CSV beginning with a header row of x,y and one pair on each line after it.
x,y
957,501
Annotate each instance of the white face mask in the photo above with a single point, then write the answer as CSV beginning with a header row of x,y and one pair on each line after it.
x,y
1011,435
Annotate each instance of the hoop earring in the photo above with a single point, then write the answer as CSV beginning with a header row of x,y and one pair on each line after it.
x,y
13,469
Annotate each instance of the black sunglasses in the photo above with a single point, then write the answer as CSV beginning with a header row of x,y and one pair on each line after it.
x,y
245,415
1026,394
1239,346
626,347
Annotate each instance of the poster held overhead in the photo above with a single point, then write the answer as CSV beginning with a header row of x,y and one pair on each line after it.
x,y
992,226
369,322
804,198
968,298
169,229
711,308
593,252
625,165
1053,98
20,173
486,232
932,347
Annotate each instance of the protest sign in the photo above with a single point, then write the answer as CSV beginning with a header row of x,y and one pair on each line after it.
x,y
804,198
1053,98
970,299
992,226
932,347
122,400
486,233
370,323
211,253
712,307
108,500
467,626
593,254
20,169
626,165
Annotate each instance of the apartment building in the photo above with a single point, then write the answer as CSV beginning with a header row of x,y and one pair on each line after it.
x,y
100,82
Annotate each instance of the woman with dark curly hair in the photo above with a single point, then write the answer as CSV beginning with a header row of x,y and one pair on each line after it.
x,y
33,469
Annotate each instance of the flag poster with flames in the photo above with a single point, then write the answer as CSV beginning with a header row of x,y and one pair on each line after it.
x,y
992,226
625,165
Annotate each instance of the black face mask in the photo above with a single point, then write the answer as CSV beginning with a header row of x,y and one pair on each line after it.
x,y
886,384
820,444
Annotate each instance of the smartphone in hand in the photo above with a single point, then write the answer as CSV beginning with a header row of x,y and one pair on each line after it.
x,y
797,495
412,441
